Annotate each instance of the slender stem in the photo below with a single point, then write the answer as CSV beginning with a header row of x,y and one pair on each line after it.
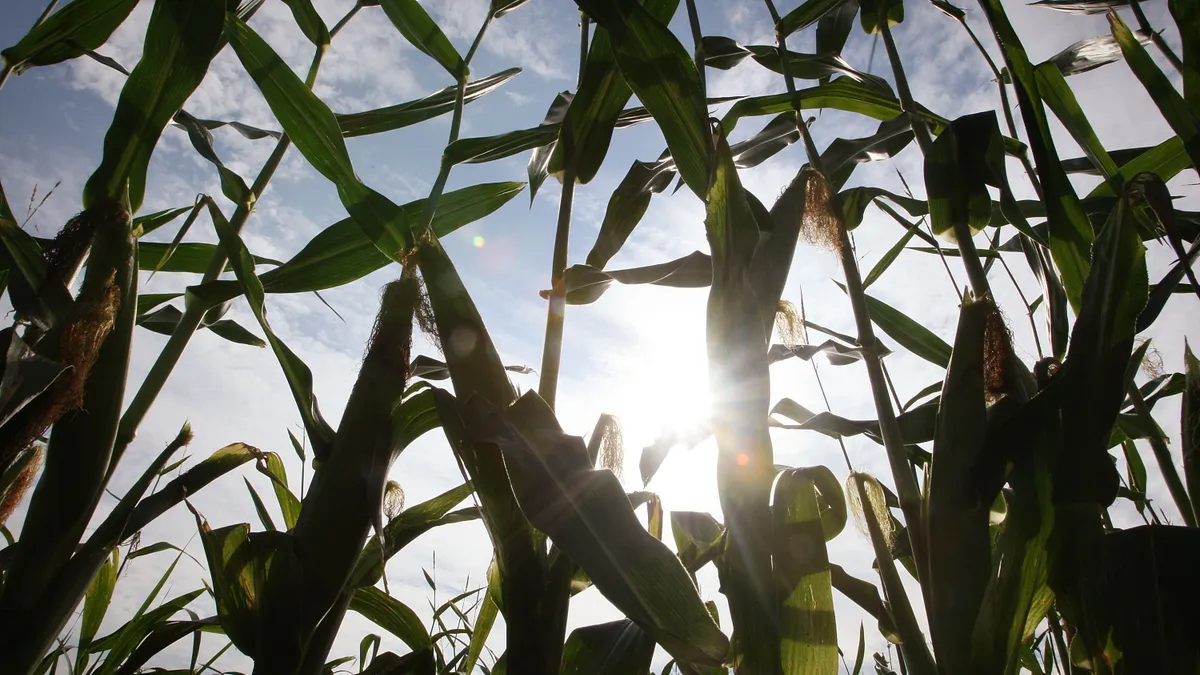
x,y
962,231
439,184
194,312
698,40
1163,454
1060,645
557,308
1028,308
1005,106
906,484
1156,37
337,28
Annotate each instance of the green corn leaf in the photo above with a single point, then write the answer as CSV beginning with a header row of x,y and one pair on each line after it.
x,y
964,160
1082,6
908,333
23,251
724,53
801,567
837,353
844,93
239,563
419,29
152,221
236,333
180,42
603,92
1187,14
414,663
1053,88
407,114
917,425
162,636
298,375
888,258
585,284
586,514
484,620
264,516
342,253
26,375
697,538
164,320
123,643
97,600
482,149
391,615
1101,344
808,13
538,166
1088,54
245,130
190,482
628,204
612,648
737,331
314,130
1070,231
272,467
1189,424
232,185
1175,110
191,257
309,21
960,557
81,26
661,73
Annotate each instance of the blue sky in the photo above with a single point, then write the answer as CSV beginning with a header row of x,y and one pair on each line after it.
x,y
637,353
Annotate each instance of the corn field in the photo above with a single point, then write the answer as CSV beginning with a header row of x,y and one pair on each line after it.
x,y
1007,518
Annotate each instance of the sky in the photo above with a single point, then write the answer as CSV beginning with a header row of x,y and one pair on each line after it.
x,y
637,353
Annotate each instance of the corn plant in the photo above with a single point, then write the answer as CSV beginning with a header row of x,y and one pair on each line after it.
x,y
1003,522
69,347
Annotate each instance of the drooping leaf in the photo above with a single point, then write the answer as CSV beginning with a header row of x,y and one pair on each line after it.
x,y
586,514
613,648
1175,110
585,284
538,166
312,127
808,13
402,115
602,94
180,42
628,204
661,73
415,24
79,27
1070,233
1082,6
297,373
232,185
391,615
190,482
309,21
342,253
1089,54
